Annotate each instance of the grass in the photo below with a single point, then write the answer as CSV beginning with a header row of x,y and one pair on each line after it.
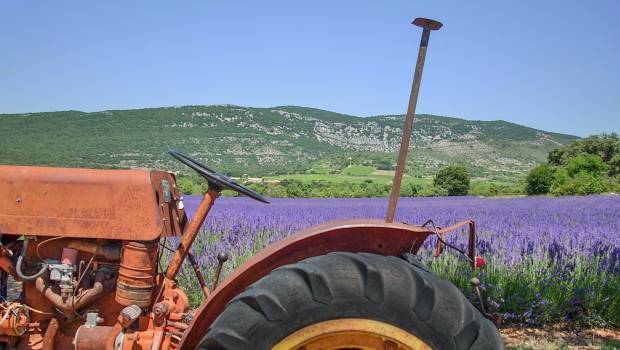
x,y
320,170
358,170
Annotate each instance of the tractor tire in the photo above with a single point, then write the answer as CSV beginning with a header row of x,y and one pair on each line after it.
x,y
341,286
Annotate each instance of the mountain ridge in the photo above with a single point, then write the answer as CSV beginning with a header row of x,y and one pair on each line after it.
x,y
266,140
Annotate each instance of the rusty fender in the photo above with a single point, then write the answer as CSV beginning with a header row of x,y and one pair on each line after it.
x,y
361,235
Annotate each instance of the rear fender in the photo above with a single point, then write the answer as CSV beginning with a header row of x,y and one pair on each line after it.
x,y
371,236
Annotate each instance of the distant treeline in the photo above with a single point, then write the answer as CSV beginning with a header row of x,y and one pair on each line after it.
x,y
587,166
366,189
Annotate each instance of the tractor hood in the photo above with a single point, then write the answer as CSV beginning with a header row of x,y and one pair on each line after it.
x,y
86,203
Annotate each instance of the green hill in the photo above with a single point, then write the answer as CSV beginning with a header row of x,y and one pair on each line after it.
x,y
261,141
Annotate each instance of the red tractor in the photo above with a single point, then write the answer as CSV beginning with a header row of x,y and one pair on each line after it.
x,y
85,245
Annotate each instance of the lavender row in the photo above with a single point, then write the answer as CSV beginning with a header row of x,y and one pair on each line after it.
x,y
509,228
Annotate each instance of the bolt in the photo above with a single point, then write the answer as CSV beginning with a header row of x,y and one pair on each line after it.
x,y
160,310
222,257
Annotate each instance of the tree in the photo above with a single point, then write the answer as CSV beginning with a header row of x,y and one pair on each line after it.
x,y
454,179
614,165
555,156
606,146
587,163
582,174
586,166
539,180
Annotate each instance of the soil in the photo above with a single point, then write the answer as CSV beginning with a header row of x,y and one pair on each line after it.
x,y
560,337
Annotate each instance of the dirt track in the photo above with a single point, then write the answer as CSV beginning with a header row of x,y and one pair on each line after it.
x,y
559,337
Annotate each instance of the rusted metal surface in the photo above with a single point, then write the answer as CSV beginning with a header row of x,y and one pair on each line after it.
x,y
104,283
92,338
471,253
87,203
95,292
351,333
427,25
87,216
372,236
14,320
110,251
6,264
136,273
169,201
50,335
190,233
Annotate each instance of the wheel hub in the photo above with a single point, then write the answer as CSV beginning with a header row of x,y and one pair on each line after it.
x,y
351,334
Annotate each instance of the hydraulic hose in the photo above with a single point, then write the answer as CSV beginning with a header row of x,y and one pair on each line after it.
x,y
20,260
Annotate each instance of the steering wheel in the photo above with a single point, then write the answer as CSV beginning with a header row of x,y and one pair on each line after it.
x,y
214,178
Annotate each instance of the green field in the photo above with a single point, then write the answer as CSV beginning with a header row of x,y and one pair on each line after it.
x,y
364,174
351,174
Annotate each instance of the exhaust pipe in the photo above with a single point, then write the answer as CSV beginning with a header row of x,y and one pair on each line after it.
x,y
427,25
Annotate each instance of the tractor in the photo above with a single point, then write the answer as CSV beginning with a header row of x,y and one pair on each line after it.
x,y
85,245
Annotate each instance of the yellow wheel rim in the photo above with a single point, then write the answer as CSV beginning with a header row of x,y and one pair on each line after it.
x,y
351,333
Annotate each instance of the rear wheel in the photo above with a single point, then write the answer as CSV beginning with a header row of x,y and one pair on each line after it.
x,y
351,301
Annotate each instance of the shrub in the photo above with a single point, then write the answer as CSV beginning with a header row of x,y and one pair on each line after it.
x,y
454,179
539,180
186,185
606,146
586,163
432,191
614,165
615,184
408,189
581,184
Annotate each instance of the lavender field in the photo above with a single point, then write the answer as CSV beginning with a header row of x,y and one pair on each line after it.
x,y
548,259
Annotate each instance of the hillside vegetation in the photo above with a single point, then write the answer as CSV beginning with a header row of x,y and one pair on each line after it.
x,y
269,141
586,166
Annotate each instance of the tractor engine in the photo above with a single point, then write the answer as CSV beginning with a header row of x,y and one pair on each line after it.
x,y
76,291
81,268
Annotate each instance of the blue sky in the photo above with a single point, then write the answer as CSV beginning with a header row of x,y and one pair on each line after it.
x,y
553,65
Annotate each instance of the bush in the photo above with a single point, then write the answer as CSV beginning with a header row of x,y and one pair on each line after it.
x,y
432,191
186,185
615,184
581,184
586,166
606,146
587,163
539,180
454,179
